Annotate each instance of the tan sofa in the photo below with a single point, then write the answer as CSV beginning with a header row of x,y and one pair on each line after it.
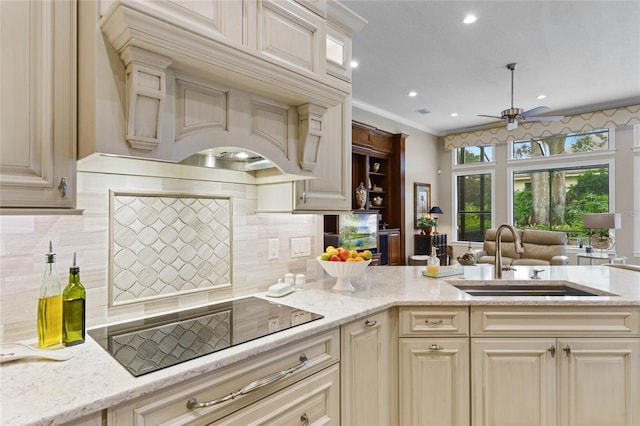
x,y
540,248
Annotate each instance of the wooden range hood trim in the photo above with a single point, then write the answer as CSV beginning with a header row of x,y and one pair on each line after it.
x,y
165,29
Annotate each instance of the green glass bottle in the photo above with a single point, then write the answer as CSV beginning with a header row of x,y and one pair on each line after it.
x,y
73,308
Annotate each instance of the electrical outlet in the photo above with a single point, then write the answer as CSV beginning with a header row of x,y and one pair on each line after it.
x,y
274,325
300,247
273,249
300,317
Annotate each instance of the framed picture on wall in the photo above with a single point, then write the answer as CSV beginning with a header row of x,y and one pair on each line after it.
x,y
421,201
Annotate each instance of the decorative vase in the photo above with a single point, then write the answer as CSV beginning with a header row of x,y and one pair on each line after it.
x,y
426,230
375,167
361,196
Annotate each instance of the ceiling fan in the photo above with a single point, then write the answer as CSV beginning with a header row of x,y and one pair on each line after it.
x,y
515,115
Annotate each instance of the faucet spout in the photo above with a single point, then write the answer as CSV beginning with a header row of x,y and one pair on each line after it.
x,y
497,272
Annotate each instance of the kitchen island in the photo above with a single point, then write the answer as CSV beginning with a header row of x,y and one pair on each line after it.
x,y
47,392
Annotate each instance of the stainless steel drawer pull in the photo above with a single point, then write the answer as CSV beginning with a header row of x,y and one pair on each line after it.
x,y
257,384
370,323
436,347
304,419
439,322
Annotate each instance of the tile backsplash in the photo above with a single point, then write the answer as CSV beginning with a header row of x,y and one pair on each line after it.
x,y
24,240
163,245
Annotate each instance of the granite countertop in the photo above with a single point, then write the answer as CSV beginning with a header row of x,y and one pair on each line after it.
x,y
48,392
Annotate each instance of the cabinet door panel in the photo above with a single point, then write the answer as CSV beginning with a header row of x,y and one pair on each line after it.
x,y
599,381
331,191
434,381
368,375
38,105
513,382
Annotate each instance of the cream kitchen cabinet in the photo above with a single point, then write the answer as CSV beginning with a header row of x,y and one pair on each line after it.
x,y
331,191
281,386
38,104
547,376
369,372
434,366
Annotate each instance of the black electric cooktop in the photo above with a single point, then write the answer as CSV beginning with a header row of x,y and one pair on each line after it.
x,y
151,344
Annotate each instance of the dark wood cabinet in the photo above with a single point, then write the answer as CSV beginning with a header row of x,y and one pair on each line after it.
x,y
378,162
422,244
390,247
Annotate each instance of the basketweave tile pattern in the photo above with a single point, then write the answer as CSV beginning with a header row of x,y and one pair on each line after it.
x,y
163,245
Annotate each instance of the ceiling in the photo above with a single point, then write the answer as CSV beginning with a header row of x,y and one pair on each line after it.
x,y
583,55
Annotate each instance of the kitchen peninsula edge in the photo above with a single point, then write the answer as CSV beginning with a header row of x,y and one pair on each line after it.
x,y
44,392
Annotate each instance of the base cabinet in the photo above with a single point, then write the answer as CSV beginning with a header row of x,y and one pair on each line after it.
x,y
369,375
312,401
434,365
555,365
310,389
434,381
559,381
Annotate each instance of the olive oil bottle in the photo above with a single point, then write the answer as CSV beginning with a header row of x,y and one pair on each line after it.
x,y
73,308
50,304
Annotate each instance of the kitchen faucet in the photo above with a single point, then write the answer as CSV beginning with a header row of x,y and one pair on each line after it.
x,y
497,273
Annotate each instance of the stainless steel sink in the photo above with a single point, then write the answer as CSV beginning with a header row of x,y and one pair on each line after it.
x,y
526,288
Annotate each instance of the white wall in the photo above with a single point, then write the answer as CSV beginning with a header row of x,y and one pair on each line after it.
x,y
24,241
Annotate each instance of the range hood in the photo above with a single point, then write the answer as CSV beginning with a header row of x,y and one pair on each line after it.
x,y
203,85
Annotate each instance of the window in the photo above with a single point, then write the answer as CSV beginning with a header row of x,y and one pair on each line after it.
x,y
556,198
474,154
570,143
474,206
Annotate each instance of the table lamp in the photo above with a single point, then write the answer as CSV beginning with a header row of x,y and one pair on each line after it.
x,y
601,221
435,210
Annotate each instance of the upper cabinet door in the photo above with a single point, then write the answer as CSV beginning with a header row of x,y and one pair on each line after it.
x,y
38,103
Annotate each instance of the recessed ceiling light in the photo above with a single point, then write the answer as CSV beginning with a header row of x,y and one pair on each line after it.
x,y
541,96
454,114
412,94
354,64
469,19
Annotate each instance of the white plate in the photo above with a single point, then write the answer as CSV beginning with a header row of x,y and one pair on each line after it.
x,y
14,351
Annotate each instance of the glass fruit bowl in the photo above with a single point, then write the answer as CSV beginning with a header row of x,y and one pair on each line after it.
x,y
344,271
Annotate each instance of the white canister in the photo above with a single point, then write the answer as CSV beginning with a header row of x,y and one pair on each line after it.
x,y
289,278
299,282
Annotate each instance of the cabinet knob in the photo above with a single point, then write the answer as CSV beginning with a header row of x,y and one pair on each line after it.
x,y
567,350
436,347
552,350
304,419
370,323
63,187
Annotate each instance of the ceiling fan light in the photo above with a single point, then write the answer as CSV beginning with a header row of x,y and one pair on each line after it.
x,y
469,19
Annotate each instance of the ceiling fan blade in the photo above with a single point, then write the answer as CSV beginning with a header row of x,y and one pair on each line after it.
x,y
536,111
490,116
543,118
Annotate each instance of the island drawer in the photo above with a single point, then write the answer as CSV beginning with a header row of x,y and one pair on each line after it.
x,y
169,406
564,320
434,321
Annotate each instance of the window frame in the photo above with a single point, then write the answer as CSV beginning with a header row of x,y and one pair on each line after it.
x,y
471,171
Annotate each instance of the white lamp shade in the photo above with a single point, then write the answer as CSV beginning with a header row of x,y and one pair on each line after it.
x,y
602,220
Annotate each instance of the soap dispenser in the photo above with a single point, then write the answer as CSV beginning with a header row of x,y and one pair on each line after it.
x,y
433,263
73,308
50,304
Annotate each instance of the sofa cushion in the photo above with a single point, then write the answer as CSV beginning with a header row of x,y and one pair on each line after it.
x,y
543,244
507,243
